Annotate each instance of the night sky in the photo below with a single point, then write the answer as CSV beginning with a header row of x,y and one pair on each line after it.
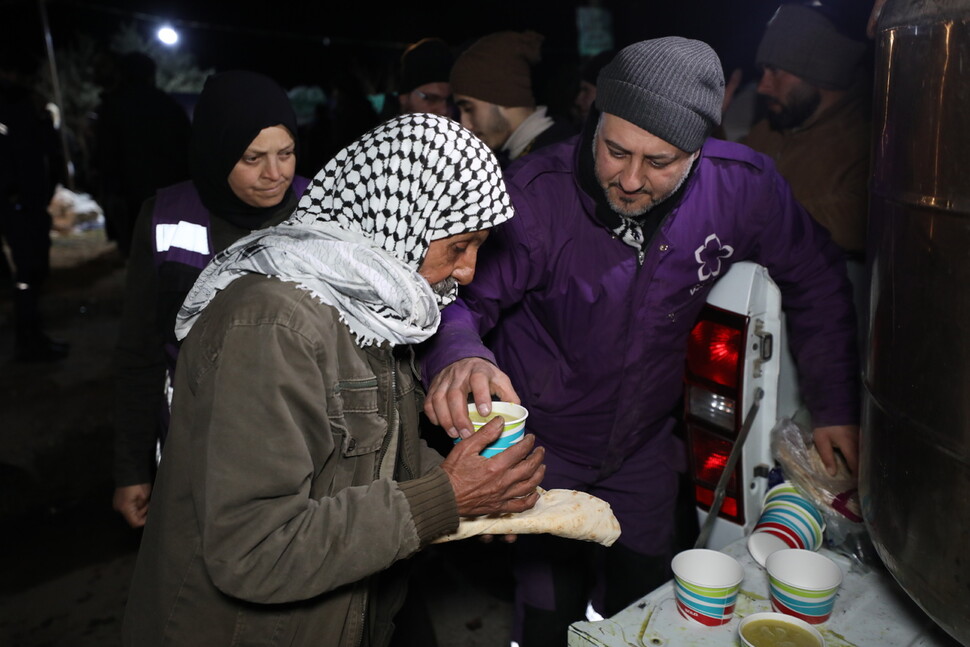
x,y
304,42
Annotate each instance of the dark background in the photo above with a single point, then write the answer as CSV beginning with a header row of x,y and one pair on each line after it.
x,y
306,42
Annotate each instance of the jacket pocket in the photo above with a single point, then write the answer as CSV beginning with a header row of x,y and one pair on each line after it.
x,y
356,416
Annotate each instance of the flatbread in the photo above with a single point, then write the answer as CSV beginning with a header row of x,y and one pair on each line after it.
x,y
804,467
564,513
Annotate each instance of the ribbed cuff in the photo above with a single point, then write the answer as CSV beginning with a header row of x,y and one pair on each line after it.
x,y
433,505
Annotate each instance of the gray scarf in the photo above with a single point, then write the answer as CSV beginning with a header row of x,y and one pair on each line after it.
x,y
364,225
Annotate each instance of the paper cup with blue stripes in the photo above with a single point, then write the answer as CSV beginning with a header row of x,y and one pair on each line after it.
x,y
803,584
788,520
706,584
514,430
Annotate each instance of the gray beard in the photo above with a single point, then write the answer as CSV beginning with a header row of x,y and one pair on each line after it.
x,y
445,290
624,210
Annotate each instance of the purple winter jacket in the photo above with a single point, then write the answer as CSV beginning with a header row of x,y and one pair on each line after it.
x,y
595,342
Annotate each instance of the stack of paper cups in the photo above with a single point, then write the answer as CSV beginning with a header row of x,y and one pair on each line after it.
x,y
788,520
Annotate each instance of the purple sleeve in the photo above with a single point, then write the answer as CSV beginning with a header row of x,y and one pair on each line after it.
x,y
508,266
457,338
810,270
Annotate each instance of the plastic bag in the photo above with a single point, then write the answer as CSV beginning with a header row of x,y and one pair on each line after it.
x,y
836,496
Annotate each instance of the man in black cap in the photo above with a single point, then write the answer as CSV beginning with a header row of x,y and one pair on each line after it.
x,y
817,126
586,300
424,87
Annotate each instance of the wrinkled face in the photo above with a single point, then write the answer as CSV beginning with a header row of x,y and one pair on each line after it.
x,y
452,260
485,120
636,170
430,97
263,174
789,99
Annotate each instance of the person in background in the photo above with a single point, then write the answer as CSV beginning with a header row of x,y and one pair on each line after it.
x,y
141,145
588,72
294,484
424,87
492,86
817,125
583,303
243,178
29,163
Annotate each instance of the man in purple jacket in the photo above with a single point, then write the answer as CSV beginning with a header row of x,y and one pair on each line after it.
x,y
585,301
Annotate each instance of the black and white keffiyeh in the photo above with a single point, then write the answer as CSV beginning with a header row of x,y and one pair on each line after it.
x,y
364,225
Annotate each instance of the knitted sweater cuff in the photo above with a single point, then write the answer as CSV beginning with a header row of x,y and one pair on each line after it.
x,y
433,505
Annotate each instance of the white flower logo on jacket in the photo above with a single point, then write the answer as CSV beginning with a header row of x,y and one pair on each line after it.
x,y
709,257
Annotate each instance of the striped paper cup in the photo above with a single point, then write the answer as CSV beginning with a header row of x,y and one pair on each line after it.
x,y
706,584
788,520
514,430
803,584
785,492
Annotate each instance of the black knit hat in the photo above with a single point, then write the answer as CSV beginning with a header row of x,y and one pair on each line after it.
x,y
426,61
802,41
671,87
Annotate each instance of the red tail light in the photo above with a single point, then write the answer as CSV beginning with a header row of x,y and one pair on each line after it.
x,y
714,352
715,362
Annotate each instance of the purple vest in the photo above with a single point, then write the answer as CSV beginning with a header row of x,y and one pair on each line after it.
x,y
181,234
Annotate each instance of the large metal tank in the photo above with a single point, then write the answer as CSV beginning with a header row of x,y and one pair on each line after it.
x,y
915,480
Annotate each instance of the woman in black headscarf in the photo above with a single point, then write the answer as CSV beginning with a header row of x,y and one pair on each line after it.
x,y
242,161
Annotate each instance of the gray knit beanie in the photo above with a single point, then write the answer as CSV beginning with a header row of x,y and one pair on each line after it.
x,y
671,87
804,42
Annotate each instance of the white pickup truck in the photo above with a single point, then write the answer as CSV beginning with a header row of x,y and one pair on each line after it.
x,y
737,353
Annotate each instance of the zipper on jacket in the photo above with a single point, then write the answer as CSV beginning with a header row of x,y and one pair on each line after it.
x,y
363,614
392,421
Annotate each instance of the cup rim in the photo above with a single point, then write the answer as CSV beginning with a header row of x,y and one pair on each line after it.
x,y
517,411
782,617
722,559
818,563
761,555
791,537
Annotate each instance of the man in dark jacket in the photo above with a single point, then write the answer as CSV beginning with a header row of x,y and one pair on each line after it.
x,y
142,144
586,299
817,127
294,480
28,161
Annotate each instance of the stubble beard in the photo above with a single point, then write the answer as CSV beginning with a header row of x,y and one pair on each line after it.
x,y
627,212
802,104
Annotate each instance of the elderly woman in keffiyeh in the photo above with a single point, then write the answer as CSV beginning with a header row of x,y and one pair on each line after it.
x,y
294,477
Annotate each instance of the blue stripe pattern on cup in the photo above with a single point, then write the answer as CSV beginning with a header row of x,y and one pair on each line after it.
x,y
503,443
789,522
801,502
711,606
816,609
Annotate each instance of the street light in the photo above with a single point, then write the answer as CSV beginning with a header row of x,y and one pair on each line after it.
x,y
167,35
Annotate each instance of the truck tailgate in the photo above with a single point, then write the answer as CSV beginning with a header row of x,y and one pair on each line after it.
x,y
870,610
